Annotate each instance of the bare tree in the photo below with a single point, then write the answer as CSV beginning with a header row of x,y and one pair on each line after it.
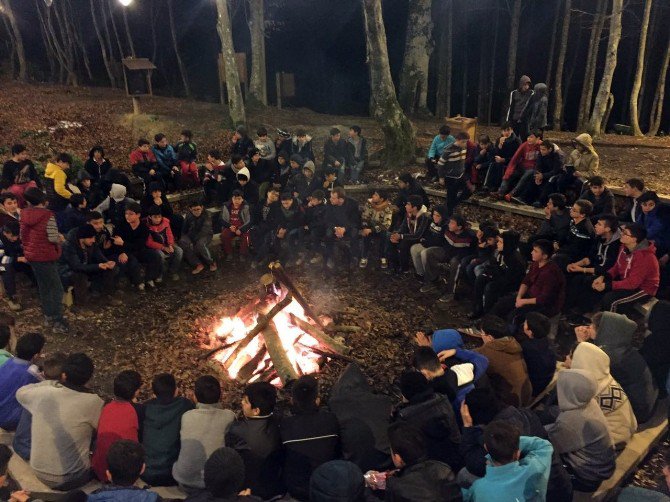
x,y
17,39
591,61
659,95
552,47
494,61
399,134
103,45
413,85
604,98
443,96
129,37
637,81
235,101
58,42
558,83
175,45
122,52
258,83
515,23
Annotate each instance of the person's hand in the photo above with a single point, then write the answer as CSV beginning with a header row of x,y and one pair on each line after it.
x,y
663,261
20,496
233,228
339,232
519,303
599,286
499,159
296,195
118,241
61,237
22,259
123,258
102,266
245,493
446,354
465,415
421,339
395,238
170,249
238,232
281,233
219,178
366,231
573,267
111,264
441,182
556,246
567,364
152,172
578,174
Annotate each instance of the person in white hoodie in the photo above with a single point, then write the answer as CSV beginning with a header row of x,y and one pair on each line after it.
x,y
114,206
611,397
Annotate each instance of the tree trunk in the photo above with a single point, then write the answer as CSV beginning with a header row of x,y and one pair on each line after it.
x,y
17,40
235,101
591,63
103,45
46,39
513,43
175,45
122,53
413,86
78,42
637,82
62,48
11,44
659,96
494,60
443,96
258,85
129,37
600,107
558,85
399,134
552,47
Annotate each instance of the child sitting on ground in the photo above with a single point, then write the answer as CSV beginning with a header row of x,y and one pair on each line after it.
x,y
236,219
196,235
120,419
538,352
162,240
187,154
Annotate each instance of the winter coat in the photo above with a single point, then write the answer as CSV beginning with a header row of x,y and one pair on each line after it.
x,y
95,170
603,254
302,149
197,229
556,227
451,163
628,367
580,434
55,183
266,147
656,347
143,162
611,397
508,149
113,208
438,145
134,240
187,151
433,236
315,218
39,235
507,269
290,219
72,218
261,172
347,216
166,159
540,360
362,147
160,235
518,101
547,285
549,165
363,417
507,371
339,151
6,217
657,223
242,146
412,229
523,160
18,173
536,111
577,242
148,201
111,493
632,211
258,442
638,269
426,481
377,217
414,188
460,245
601,205
434,415
74,259
162,424
587,163
523,479
244,214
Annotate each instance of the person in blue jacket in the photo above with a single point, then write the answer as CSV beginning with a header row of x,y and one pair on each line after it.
x,y
168,165
443,140
656,219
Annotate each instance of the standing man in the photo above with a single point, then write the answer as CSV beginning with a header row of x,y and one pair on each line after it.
x,y
518,101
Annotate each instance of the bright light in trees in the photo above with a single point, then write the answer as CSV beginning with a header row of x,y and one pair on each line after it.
x,y
125,3
48,2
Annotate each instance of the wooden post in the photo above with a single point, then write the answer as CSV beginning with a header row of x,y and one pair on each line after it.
x,y
136,105
278,85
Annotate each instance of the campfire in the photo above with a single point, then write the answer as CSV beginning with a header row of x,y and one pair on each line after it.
x,y
275,338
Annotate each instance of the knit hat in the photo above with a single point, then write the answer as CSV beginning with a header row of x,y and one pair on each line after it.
x,y
224,473
412,383
336,481
309,165
297,158
85,231
84,175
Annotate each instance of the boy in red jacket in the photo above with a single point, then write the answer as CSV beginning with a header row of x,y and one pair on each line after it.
x,y
522,165
162,240
634,277
42,248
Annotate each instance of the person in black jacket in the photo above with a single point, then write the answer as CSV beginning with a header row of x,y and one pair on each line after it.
x,y
577,242
417,478
632,211
656,347
600,196
505,148
74,214
311,437
315,222
260,234
337,153
97,166
256,438
260,169
502,274
286,221
301,144
19,170
343,220
241,143
407,186
549,164
538,353
411,230
282,169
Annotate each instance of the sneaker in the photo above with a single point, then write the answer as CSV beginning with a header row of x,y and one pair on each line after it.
x,y
199,268
174,277
363,263
13,304
151,284
158,280
214,267
384,263
140,286
68,297
428,288
60,327
508,197
447,298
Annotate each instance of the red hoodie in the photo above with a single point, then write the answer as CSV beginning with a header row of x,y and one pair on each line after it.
x,y
525,157
638,269
159,235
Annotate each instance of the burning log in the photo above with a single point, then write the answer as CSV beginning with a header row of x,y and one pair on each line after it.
x,y
261,323
341,328
210,353
247,371
281,362
320,336
280,274
331,355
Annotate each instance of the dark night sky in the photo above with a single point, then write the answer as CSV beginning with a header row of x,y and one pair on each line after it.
x,y
323,43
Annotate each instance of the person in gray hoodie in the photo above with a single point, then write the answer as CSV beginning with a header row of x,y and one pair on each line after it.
x,y
535,114
518,101
580,434
614,335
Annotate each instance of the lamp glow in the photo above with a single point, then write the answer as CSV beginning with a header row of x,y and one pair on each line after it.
x,y
125,3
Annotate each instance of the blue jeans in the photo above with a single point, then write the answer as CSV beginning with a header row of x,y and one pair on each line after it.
x,y
50,289
526,177
356,169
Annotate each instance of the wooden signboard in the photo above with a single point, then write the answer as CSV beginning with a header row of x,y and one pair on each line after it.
x,y
241,60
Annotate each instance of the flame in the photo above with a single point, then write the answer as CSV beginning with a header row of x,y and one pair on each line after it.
x,y
231,330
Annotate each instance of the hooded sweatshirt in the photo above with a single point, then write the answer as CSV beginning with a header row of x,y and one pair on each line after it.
x,y
656,347
55,182
580,433
507,371
536,111
611,398
587,163
604,253
615,338
637,269
518,100
413,228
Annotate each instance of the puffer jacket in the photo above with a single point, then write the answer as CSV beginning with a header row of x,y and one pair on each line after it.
x,y
587,163
425,481
37,223
75,259
611,397
55,182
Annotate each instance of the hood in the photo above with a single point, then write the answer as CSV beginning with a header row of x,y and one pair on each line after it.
x,y
309,165
445,339
616,236
508,345
659,319
615,334
51,170
540,89
245,171
586,141
32,216
117,192
645,247
525,79
297,158
575,388
423,210
351,380
308,138
336,481
589,357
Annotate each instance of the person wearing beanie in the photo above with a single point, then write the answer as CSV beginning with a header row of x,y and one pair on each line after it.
x,y
432,414
74,214
337,481
42,248
337,153
83,266
376,222
310,436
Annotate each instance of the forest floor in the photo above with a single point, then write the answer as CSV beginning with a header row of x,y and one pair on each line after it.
x,y
166,330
